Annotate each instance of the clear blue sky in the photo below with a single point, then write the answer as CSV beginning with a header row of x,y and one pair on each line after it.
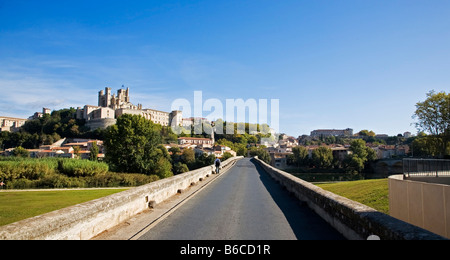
x,y
361,64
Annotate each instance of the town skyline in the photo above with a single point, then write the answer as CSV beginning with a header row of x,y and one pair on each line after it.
x,y
352,64
125,103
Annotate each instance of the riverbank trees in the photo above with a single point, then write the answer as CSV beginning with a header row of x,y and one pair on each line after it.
x,y
433,118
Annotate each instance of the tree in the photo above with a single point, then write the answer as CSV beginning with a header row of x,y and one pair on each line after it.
x,y
163,167
433,117
48,129
133,145
424,146
252,139
355,164
300,156
188,157
226,156
168,136
240,149
322,157
204,160
261,153
361,155
21,152
93,152
76,151
180,167
176,154
366,133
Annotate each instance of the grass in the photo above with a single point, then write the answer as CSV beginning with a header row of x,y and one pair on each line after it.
x,y
15,206
373,193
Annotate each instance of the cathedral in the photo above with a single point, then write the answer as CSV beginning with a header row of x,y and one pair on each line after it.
x,y
122,100
111,107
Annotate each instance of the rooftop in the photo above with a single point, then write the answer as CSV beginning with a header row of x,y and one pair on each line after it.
x,y
193,138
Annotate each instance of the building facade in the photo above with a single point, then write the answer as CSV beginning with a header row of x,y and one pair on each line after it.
x,y
122,100
205,142
11,124
332,132
111,106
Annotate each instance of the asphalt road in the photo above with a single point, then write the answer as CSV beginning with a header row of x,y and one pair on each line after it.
x,y
243,204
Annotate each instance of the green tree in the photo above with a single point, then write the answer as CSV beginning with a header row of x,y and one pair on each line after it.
x,y
261,153
176,154
133,145
366,133
180,167
240,149
188,157
48,129
226,156
433,117
300,156
76,151
163,167
322,157
93,152
360,156
168,136
355,164
424,146
21,152
252,139
203,160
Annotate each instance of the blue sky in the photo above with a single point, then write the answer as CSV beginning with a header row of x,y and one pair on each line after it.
x,y
361,64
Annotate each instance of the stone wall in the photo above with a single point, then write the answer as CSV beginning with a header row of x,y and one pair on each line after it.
x,y
86,220
100,123
352,219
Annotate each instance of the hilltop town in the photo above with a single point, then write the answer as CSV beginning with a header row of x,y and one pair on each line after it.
x,y
111,106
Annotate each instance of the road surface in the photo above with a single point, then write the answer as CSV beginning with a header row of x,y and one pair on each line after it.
x,y
243,204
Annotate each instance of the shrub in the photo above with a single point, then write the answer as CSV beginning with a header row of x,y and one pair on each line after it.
x,y
28,173
81,168
25,168
20,184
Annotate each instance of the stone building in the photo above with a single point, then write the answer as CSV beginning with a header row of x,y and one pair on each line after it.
x,y
122,100
332,132
111,106
11,124
45,111
205,142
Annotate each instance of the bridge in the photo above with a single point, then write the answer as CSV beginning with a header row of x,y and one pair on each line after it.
x,y
249,200
243,204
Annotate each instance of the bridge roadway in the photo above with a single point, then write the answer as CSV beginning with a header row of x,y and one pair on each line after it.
x,y
242,204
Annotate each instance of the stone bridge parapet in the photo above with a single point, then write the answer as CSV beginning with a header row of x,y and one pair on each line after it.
x,y
86,220
352,219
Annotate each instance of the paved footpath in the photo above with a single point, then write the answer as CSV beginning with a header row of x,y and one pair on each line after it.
x,y
241,204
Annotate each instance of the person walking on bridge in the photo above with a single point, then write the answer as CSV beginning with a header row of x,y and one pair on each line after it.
x,y
217,164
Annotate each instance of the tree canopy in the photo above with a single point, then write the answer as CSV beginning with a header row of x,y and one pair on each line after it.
x,y
133,145
322,157
300,156
433,117
361,154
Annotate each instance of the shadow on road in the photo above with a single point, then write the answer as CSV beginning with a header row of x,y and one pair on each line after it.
x,y
305,223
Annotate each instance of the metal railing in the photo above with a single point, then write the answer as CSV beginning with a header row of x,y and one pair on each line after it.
x,y
425,168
